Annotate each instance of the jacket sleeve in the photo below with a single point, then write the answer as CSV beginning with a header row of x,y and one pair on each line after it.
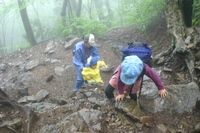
x,y
78,58
95,52
101,63
86,73
154,76
120,84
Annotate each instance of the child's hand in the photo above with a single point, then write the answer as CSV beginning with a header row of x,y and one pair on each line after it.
x,y
162,93
119,97
106,66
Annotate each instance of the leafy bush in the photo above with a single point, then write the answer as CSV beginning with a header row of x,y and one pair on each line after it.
x,y
140,13
85,25
62,30
81,26
196,13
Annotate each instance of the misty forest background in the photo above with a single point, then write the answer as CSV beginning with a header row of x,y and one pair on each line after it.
x,y
24,23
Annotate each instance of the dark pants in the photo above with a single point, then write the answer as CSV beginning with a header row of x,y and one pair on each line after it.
x,y
109,93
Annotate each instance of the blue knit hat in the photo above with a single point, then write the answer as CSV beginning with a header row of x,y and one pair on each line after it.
x,y
131,68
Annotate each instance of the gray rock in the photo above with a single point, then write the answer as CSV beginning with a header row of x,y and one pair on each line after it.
x,y
41,95
59,70
49,47
32,64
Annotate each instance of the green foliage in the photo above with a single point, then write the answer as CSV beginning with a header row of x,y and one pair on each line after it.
x,y
84,25
139,12
196,13
5,9
62,30
127,12
41,31
81,26
96,20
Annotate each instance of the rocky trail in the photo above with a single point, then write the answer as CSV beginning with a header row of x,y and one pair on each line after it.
x,y
38,82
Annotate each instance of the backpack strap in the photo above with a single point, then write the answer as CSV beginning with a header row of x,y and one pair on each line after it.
x,y
115,72
142,75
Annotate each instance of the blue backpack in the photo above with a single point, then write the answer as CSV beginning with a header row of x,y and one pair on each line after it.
x,y
142,50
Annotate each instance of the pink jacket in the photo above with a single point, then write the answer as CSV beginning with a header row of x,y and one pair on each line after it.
x,y
116,82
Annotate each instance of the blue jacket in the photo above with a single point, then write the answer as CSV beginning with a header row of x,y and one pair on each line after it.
x,y
82,53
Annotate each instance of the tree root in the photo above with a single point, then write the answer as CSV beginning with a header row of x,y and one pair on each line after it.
x,y
188,57
167,52
176,27
190,62
27,110
8,127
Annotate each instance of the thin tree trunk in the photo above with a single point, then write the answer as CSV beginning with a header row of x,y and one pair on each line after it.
x,y
63,12
26,23
66,5
74,4
110,13
3,31
78,13
90,9
98,5
1,46
70,11
41,36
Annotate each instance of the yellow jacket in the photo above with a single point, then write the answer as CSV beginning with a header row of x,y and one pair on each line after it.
x,y
93,75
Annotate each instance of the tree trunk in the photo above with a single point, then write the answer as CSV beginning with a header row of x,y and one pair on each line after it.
x,y
110,13
75,6
179,32
26,22
1,46
98,5
78,13
175,25
63,12
66,8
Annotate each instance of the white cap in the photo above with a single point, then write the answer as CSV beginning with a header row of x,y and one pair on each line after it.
x,y
91,40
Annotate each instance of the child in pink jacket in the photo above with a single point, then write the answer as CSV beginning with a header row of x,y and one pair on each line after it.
x,y
128,76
